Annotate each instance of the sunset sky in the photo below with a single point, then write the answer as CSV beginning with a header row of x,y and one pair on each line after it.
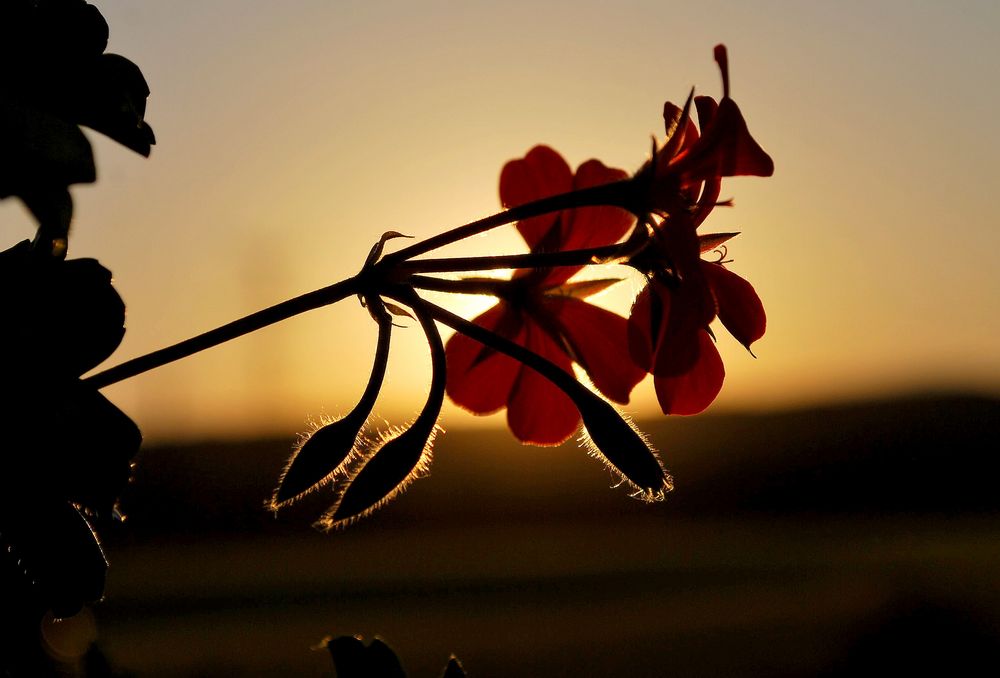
x,y
291,135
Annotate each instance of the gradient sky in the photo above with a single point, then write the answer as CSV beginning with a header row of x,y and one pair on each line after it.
x,y
290,135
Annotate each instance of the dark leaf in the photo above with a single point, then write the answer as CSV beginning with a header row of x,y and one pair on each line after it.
x,y
39,151
112,101
56,551
352,659
453,669
63,317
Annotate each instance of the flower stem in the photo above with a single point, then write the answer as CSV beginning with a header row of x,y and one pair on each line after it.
x,y
237,328
618,194
548,369
530,260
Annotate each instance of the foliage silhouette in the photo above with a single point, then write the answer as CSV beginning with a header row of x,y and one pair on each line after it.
x,y
68,450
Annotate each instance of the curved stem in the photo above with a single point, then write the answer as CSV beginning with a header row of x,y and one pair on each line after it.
x,y
237,328
618,194
530,260
491,288
548,369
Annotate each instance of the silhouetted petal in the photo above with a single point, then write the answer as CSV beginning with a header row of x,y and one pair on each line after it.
x,y
690,165
693,391
540,174
663,328
586,227
325,450
597,337
539,412
740,309
479,378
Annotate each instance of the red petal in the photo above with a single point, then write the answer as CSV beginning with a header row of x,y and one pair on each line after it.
x,y
541,173
678,345
707,108
597,338
663,330
538,412
481,379
641,325
740,309
590,226
726,149
693,391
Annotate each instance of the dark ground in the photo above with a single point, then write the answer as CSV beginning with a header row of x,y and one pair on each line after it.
x,y
797,543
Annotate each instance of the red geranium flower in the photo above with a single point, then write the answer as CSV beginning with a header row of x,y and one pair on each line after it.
x,y
669,335
724,148
539,310
668,326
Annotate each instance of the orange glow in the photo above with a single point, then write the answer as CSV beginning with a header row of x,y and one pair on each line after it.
x,y
291,137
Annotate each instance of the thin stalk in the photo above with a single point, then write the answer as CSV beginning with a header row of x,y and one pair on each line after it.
x,y
530,260
237,328
543,366
492,288
618,194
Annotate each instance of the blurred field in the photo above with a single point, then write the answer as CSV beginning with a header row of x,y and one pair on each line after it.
x,y
796,543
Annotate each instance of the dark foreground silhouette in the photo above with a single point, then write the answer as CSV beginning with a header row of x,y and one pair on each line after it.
x,y
806,542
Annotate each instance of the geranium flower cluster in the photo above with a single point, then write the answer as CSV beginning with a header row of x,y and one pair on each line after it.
x,y
523,354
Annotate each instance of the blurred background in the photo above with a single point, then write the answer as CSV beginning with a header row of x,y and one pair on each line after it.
x,y
837,490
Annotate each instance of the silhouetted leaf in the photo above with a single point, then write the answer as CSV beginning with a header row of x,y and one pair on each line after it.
x,y
56,551
352,659
112,100
67,312
40,150
453,669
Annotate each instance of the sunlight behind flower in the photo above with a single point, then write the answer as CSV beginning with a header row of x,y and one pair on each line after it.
x,y
291,136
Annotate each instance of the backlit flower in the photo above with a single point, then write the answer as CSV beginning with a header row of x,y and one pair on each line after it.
x,y
690,165
669,333
540,310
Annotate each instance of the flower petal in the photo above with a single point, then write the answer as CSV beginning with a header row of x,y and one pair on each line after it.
x,y
597,338
693,391
726,149
589,226
540,174
740,309
480,379
538,411
664,326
